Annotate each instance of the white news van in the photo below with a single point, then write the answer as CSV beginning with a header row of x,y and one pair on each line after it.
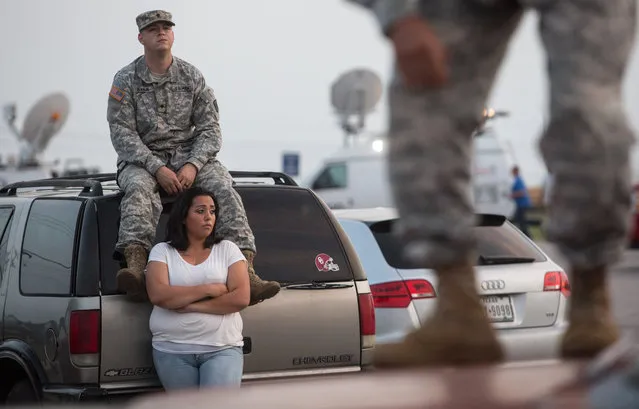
x,y
356,176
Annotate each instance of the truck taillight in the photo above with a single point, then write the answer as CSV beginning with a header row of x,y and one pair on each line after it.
x,y
557,281
84,332
367,320
399,294
366,314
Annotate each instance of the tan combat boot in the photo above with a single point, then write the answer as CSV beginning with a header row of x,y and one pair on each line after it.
x,y
458,333
130,279
591,327
260,289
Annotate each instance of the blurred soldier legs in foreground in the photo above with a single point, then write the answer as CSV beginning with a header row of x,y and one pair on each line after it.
x,y
447,54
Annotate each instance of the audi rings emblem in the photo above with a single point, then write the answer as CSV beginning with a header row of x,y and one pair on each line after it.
x,y
493,285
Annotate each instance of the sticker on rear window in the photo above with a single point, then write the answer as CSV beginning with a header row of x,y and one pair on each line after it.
x,y
324,262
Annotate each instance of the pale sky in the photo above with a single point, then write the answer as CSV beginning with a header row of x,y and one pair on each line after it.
x,y
270,63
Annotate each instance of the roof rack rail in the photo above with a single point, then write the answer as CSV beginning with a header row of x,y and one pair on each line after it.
x,y
100,177
92,183
91,187
278,177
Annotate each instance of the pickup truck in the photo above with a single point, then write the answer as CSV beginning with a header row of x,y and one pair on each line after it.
x,y
67,334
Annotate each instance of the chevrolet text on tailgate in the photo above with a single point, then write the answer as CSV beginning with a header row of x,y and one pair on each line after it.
x,y
68,334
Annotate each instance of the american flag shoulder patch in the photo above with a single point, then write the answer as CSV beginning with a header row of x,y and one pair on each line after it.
x,y
116,93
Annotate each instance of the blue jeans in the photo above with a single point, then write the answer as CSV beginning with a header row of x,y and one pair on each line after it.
x,y
185,371
521,220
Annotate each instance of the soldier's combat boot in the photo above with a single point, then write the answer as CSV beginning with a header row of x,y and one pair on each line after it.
x,y
260,289
591,326
130,279
458,332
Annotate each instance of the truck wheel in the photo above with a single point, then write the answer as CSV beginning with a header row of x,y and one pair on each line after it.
x,y
22,392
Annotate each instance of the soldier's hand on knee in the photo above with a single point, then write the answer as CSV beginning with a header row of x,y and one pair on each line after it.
x,y
168,180
186,175
421,57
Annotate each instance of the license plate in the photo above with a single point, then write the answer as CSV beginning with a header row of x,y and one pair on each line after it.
x,y
499,308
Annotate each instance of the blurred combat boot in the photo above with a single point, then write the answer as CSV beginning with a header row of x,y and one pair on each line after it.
x,y
591,326
130,280
260,289
458,333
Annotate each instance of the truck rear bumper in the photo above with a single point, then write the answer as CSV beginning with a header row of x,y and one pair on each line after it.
x,y
88,393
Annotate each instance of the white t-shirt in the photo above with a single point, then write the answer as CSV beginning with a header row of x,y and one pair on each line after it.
x,y
195,332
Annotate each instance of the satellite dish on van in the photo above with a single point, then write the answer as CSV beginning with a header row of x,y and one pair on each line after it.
x,y
44,120
355,93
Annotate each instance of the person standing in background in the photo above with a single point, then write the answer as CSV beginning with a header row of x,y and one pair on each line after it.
x,y
519,193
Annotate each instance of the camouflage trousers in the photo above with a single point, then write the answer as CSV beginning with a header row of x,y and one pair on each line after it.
x,y
586,143
141,206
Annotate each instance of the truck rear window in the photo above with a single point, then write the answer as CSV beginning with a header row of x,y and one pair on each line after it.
x,y
291,232
494,239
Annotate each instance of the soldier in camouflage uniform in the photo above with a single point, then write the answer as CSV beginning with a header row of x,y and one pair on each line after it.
x,y
164,127
447,54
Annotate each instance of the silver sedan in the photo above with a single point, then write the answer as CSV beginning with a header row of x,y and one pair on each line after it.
x,y
525,293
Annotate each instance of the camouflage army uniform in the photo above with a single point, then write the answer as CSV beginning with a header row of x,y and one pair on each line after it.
x,y
171,120
586,143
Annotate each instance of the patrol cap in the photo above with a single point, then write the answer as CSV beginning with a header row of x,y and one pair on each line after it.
x,y
149,17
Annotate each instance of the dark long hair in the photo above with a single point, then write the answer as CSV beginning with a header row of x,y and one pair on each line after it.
x,y
176,229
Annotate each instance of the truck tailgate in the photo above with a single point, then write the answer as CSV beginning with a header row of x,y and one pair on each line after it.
x,y
126,341
301,330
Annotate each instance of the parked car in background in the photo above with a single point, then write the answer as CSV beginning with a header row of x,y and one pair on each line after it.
x,y
356,176
524,291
